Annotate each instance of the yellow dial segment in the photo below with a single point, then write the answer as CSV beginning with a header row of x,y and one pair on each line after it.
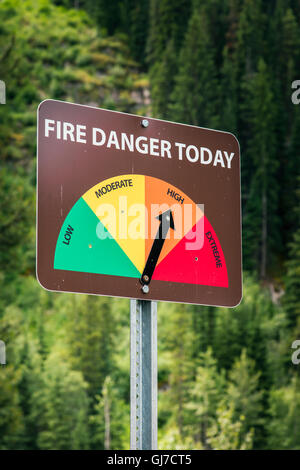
x,y
119,203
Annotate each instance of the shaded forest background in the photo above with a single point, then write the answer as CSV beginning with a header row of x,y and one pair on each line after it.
x,y
226,380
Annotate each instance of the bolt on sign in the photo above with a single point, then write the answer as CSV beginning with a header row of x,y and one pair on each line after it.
x,y
137,208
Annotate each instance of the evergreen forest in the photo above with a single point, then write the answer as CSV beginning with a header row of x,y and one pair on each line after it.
x,y
226,379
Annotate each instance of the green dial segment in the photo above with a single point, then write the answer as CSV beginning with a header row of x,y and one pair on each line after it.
x,y
80,249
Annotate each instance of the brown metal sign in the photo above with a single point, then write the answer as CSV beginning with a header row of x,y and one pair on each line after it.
x,y
144,209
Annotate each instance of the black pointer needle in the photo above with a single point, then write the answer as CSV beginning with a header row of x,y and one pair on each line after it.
x,y
166,222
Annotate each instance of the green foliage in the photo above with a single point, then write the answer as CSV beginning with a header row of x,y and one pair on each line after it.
x,y
292,297
260,220
245,396
11,420
225,375
195,96
178,337
168,20
57,53
163,75
284,431
219,399
91,336
110,420
119,16
225,433
232,66
61,407
17,219
206,390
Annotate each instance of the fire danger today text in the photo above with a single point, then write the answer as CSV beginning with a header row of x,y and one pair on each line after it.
x,y
148,146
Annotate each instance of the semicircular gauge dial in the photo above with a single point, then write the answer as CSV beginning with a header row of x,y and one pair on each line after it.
x,y
142,227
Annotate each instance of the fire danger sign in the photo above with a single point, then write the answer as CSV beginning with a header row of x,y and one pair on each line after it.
x,y
144,209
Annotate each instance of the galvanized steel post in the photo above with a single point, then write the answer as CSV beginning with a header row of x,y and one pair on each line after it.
x,y
143,375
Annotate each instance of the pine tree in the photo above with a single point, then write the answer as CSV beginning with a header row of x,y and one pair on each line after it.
x,y
110,419
61,407
17,215
178,341
168,20
195,97
284,431
285,65
29,382
91,339
11,418
245,327
225,432
291,299
229,107
245,44
261,223
250,38
138,30
162,76
244,395
291,175
203,325
205,394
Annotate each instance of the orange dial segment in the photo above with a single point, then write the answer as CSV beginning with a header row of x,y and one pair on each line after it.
x,y
161,196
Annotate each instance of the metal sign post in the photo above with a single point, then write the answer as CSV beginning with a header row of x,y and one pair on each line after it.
x,y
130,222
143,375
